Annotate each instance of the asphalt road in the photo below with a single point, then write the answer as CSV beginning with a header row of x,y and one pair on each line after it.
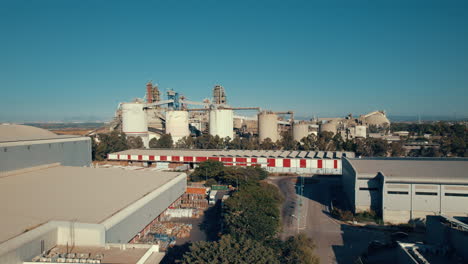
x,y
335,242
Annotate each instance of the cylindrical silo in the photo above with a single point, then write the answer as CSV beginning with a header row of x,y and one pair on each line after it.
x,y
134,122
221,123
177,124
329,127
300,131
267,126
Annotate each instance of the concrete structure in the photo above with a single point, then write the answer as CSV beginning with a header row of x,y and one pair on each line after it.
x,y
222,123
134,121
300,131
267,126
404,189
330,126
58,205
27,146
376,118
219,95
303,162
177,124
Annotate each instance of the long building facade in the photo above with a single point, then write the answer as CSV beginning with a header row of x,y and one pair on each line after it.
x,y
302,162
403,190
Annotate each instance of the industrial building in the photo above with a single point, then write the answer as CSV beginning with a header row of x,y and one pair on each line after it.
x,y
26,146
317,162
47,206
404,189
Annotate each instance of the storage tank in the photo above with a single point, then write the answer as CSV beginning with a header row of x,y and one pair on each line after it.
x,y
134,121
300,131
267,126
177,124
221,123
329,127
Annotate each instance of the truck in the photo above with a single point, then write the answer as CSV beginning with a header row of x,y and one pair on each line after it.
x,y
212,199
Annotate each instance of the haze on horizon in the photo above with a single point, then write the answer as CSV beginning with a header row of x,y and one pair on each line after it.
x,y
68,60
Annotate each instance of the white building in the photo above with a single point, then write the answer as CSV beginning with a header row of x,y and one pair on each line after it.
x,y
407,189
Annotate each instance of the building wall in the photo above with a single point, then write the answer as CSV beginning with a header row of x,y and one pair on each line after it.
x,y
278,165
24,154
124,225
348,181
368,193
28,245
405,201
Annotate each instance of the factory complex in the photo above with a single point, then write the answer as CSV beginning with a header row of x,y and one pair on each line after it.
x,y
407,189
303,162
152,116
53,213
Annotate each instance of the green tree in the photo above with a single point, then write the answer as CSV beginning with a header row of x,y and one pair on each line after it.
x,y
253,212
396,149
230,250
153,143
186,143
209,169
109,143
135,142
309,143
299,249
165,141
268,144
287,141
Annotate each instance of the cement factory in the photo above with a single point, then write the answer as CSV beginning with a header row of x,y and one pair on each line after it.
x,y
151,117
60,206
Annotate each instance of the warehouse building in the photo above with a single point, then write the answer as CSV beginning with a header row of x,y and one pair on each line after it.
x,y
316,162
51,200
404,189
27,146
55,205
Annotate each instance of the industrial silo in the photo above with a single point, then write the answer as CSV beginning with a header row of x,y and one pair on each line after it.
x,y
221,123
134,121
300,131
267,126
331,126
177,124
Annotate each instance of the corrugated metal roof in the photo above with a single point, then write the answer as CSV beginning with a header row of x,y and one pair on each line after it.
x,y
237,153
91,195
415,170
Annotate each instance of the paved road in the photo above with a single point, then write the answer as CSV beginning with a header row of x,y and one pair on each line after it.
x,y
335,242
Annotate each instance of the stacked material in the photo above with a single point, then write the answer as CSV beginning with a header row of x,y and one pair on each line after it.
x,y
178,230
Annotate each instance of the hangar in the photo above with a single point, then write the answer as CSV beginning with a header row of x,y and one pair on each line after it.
x,y
404,189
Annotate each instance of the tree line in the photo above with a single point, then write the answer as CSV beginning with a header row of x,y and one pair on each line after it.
x,y
450,139
251,221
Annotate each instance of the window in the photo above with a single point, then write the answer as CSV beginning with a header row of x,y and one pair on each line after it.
x,y
368,189
426,193
457,194
397,192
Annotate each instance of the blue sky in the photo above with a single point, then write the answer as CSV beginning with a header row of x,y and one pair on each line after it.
x,y
67,59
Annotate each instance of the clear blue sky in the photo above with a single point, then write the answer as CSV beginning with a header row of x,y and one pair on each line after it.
x,y
66,59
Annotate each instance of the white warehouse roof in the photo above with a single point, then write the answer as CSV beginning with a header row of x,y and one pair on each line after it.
x,y
12,133
32,197
450,171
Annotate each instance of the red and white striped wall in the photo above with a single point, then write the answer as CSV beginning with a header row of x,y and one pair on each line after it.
x,y
316,166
